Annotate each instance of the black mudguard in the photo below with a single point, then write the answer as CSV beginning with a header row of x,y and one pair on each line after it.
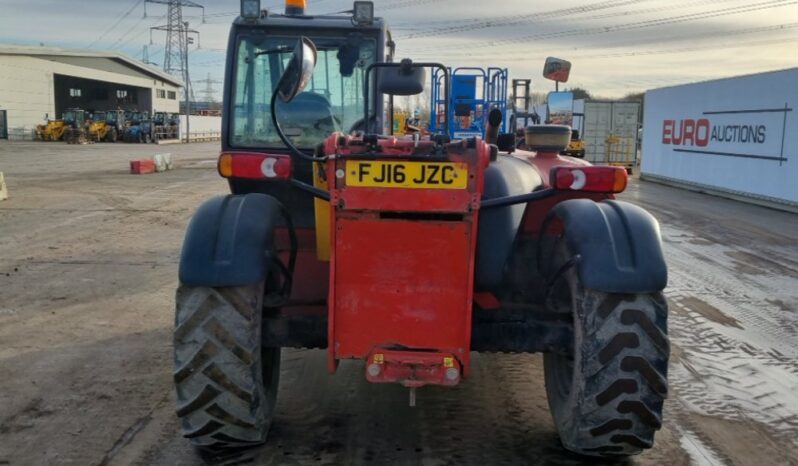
x,y
229,241
619,244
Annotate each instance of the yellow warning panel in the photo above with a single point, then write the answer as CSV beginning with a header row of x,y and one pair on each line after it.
x,y
322,212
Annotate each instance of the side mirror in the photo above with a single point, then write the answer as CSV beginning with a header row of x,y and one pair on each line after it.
x,y
404,79
561,108
557,69
299,70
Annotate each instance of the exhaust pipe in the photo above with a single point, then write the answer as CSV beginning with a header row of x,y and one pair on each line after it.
x,y
494,124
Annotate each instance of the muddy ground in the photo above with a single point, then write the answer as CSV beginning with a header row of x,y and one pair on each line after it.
x,y
88,257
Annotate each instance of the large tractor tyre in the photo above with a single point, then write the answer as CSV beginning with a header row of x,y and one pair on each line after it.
x,y
606,397
226,381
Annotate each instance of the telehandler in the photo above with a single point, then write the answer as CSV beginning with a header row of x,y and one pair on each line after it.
x,y
53,130
75,123
406,253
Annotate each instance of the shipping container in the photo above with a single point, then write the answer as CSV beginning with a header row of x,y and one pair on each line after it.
x,y
609,129
735,136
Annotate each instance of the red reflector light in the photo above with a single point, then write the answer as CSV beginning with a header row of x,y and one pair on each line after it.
x,y
254,165
591,178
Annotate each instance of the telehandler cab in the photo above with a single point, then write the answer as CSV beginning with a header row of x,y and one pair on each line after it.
x,y
115,125
407,253
75,122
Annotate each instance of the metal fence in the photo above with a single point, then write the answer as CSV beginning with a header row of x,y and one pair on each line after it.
x,y
29,134
204,136
620,151
21,134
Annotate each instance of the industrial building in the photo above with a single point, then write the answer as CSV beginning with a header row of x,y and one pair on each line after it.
x,y
41,82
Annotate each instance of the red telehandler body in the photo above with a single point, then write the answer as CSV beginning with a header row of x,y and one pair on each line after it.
x,y
407,253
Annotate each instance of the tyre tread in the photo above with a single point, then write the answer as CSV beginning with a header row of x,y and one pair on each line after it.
x,y
221,399
615,406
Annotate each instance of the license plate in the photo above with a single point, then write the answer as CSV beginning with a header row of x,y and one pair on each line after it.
x,y
383,174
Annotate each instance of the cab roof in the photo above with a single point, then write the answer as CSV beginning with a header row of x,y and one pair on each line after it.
x,y
339,21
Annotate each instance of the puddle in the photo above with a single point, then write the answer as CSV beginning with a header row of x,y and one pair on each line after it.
x,y
747,262
700,454
709,311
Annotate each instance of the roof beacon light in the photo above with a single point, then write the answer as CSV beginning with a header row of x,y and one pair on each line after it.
x,y
295,7
363,13
250,9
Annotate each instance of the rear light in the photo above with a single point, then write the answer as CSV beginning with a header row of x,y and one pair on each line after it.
x,y
256,166
589,178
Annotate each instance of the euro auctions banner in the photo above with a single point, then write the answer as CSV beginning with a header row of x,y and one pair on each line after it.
x,y
738,135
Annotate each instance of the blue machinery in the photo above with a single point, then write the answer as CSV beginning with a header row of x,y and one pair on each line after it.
x,y
475,91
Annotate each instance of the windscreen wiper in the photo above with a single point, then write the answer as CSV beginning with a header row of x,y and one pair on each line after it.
x,y
282,49
285,49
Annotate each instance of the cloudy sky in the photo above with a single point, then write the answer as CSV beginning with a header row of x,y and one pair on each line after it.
x,y
616,46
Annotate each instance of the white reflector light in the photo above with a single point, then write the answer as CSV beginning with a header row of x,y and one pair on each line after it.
x,y
374,369
267,167
579,179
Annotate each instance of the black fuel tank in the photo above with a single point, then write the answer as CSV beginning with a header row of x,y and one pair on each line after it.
x,y
506,176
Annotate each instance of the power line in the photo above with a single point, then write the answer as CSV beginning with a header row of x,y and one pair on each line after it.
x,y
124,39
122,18
509,20
407,3
123,36
625,27
626,44
678,50
669,7
470,24
693,49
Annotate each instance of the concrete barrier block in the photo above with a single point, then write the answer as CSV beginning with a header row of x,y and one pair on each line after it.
x,y
142,167
3,188
163,162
